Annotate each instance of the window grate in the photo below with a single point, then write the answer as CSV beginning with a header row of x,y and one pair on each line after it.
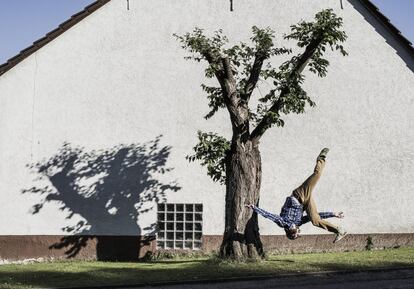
x,y
180,226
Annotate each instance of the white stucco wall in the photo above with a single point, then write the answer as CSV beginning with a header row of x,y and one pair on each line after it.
x,y
119,77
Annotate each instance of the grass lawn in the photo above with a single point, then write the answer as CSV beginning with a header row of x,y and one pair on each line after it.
x,y
77,273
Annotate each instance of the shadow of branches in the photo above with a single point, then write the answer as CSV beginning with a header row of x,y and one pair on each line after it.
x,y
109,190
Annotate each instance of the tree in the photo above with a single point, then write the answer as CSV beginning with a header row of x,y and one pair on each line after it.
x,y
236,163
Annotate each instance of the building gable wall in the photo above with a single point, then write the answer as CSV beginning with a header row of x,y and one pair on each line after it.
x,y
119,78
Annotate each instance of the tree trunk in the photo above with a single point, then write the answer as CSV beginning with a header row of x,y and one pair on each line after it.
x,y
241,237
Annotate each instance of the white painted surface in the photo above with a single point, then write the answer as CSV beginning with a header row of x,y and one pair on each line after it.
x,y
119,77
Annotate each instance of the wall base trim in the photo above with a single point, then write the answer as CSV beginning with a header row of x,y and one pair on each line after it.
x,y
104,248
132,248
321,243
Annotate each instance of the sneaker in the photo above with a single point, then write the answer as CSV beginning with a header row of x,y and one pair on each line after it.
x,y
340,235
322,154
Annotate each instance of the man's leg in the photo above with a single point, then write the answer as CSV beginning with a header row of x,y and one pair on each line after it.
x,y
304,192
316,220
304,195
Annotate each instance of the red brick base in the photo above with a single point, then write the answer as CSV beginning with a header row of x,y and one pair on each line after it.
x,y
132,248
321,243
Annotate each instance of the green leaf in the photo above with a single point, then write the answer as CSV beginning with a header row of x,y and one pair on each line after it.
x,y
211,151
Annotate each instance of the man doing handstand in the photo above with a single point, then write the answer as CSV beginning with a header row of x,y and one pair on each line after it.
x,y
291,216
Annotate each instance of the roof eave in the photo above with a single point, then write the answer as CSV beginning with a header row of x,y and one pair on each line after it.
x,y
50,36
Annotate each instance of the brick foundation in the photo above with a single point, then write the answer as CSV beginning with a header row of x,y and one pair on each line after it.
x,y
132,248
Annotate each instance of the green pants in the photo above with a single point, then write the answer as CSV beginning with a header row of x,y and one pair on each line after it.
x,y
304,195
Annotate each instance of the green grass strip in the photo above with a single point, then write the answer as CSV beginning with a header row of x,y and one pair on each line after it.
x,y
82,273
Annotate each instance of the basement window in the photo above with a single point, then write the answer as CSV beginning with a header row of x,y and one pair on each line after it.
x,y
180,226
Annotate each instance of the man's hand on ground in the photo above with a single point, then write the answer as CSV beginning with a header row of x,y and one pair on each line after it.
x,y
339,215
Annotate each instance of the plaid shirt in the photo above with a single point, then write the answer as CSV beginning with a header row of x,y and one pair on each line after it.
x,y
291,214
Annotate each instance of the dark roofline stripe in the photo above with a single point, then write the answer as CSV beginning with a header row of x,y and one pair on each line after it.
x,y
371,7
76,18
63,27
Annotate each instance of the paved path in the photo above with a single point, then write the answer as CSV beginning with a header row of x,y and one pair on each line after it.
x,y
395,279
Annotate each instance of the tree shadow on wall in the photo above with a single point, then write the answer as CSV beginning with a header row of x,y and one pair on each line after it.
x,y
108,189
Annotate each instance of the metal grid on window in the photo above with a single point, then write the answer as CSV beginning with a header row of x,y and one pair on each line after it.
x,y
180,226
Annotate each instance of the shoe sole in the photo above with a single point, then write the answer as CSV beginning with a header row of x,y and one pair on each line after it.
x,y
322,154
340,238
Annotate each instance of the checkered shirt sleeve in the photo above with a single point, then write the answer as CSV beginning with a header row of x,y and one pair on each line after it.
x,y
273,217
323,215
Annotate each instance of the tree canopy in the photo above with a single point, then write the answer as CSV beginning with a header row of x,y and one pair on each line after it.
x,y
238,69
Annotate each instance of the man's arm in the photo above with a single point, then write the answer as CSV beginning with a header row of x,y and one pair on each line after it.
x,y
323,215
273,217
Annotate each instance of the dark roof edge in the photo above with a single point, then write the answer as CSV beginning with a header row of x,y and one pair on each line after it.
x,y
63,27
371,7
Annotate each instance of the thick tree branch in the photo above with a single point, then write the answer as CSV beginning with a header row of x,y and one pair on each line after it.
x,y
305,57
227,82
210,59
238,112
220,75
228,73
299,66
253,78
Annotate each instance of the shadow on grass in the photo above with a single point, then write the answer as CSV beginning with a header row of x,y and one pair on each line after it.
x,y
93,274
